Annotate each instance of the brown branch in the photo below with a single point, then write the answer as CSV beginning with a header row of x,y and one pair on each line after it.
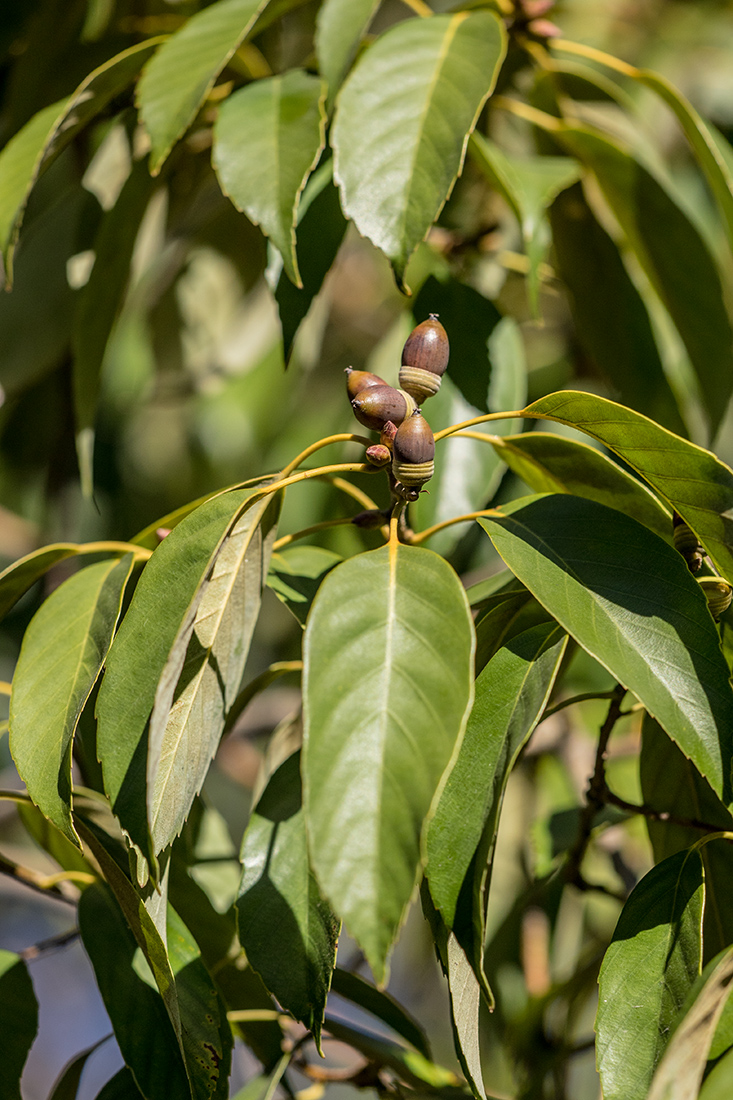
x,y
53,943
659,815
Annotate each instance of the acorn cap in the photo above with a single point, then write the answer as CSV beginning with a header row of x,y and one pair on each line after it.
x,y
358,380
413,451
718,594
374,406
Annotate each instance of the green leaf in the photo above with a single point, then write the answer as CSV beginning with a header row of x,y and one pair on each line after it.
x,y
660,233
628,598
67,1085
672,784
62,655
141,1024
120,1087
719,1082
402,123
696,483
381,1005
267,139
468,472
409,1065
551,463
168,592
384,709
296,574
99,303
321,229
709,157
610,316
202,674
18,1021
41,140
340,27
502,617
529,185
181,74
647,972
279,894
23,573
510,695
680,1072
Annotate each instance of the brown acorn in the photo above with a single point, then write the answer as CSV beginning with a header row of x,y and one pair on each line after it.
x,y
424,359
687,543
718,594
374,406
358,380
414,451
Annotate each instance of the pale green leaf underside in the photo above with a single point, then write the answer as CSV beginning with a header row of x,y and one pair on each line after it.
x,y
628,598
387,686
403,119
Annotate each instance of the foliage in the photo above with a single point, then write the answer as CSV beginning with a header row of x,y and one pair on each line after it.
x,y
158,345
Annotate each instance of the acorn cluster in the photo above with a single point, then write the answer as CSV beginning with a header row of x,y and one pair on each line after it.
x,y
406,443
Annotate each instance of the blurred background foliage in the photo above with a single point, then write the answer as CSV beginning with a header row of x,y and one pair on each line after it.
x,y
195,394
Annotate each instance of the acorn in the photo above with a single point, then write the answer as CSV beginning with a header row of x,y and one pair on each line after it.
x,y
358,380
687,543
424,359
375,405
414,451
718,594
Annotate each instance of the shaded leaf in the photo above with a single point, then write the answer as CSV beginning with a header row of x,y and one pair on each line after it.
x,y
403,120
296,574
551,463
610,316
529,185
628,598
168,592
35,147
63,651
268,137
201,677
409,1065
287,930
340,27
696,483
18,1021
181,74
67,1085
381,1005
384,709
660,233
647,972
120,1087
23,573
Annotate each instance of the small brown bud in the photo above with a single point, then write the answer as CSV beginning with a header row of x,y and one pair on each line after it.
x,y
389,431
378,454
371,519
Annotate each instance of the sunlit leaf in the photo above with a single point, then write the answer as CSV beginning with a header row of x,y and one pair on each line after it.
x,y
647,972
628,598
340,26
403,120
182,73
62,655
384,708
267,139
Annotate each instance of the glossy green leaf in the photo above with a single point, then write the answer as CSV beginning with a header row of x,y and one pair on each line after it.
x,y
201,677
340,27
287,930
121,1087
500,619
141,1024
34,148
709,157
529,185
647,972
551,463
321,229
660,233
672,784
267,139
381,1005
510,695
66,1086
296,574
181,74
384,709
23,573
696,483
610,316
467,471
169,593
18,1021
403,120
99,303
62,655
194,1006
628,598
679,1074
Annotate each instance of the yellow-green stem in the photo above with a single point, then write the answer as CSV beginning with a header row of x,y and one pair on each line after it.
x,y
354,492
340,437
287,539
592,54
530,114
430,531
308,475
516,415
394,524
120,547
5,687
419,7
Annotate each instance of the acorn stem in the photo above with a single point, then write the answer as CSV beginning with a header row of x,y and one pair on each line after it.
x,y
516,415
339,437
430,531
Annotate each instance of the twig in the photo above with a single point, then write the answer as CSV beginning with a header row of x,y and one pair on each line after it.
x,y
53,943
659,815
